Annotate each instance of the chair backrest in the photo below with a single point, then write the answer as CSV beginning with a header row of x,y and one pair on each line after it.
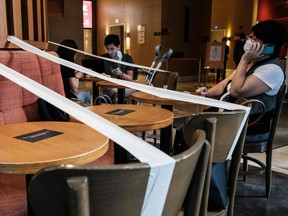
x,y
227,126
278,109
168,80
267,145
193,180
16,103
109,190
112,190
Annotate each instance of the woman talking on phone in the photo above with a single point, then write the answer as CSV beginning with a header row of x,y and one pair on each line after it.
x,y
258,74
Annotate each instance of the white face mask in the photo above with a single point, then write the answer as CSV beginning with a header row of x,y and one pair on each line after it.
x,y
120,56
247,44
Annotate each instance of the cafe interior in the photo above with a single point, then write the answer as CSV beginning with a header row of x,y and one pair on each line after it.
x,y
157,151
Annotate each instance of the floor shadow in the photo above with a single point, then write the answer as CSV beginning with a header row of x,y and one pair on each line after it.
x,y
250,200
281,136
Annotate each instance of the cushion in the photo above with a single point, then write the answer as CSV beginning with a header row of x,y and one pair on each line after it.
x,y
16,103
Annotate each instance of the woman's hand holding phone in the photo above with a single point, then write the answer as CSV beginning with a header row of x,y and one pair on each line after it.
x,y
268,49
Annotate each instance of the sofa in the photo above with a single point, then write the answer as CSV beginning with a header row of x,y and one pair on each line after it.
x,y
19,105
16,103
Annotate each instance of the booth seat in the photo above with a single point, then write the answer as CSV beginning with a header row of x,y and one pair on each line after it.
x,y
16,103
19,105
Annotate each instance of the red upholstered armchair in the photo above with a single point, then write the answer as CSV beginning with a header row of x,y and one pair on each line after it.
x,y
16,103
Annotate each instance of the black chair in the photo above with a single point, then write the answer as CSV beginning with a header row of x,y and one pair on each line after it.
x,y
94,64
135,73
265,146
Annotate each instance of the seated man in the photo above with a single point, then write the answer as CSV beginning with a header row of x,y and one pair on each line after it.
x,y
116,70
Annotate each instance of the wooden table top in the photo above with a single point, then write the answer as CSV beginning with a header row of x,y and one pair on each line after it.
x,y
144,97
77,144
137,118
107,84
90,79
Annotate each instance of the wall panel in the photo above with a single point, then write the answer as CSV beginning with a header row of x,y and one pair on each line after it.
x,y
26,19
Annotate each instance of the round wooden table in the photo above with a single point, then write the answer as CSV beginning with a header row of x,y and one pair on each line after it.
x,y
28,147
134,118
121,89
166,103
166,133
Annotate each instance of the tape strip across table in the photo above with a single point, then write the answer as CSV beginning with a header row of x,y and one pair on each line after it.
x,y
162,165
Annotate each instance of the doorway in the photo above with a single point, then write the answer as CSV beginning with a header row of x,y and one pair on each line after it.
x,y
120,31
218,34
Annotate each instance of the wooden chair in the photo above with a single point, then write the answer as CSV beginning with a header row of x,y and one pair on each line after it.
x,y
168,80
265,146
112,190
179,185
227,126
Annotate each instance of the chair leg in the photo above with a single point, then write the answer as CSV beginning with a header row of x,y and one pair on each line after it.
x,y
268,173
245,166
155,137
143,135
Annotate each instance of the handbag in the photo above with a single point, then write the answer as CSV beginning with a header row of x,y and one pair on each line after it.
x,y
218,187
102,99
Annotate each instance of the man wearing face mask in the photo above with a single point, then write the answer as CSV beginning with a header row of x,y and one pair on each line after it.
x,y
116,70
258,74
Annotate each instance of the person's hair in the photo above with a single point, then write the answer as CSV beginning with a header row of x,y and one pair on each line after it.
x,y
65,53
271,31
112,39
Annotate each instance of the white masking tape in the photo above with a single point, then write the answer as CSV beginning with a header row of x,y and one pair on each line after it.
x,y
106,59
162,165
160,92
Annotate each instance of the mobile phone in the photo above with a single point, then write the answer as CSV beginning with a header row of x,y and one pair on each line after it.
x,y
268,49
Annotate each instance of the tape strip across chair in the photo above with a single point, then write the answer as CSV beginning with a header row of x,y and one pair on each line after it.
x,y
162,165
